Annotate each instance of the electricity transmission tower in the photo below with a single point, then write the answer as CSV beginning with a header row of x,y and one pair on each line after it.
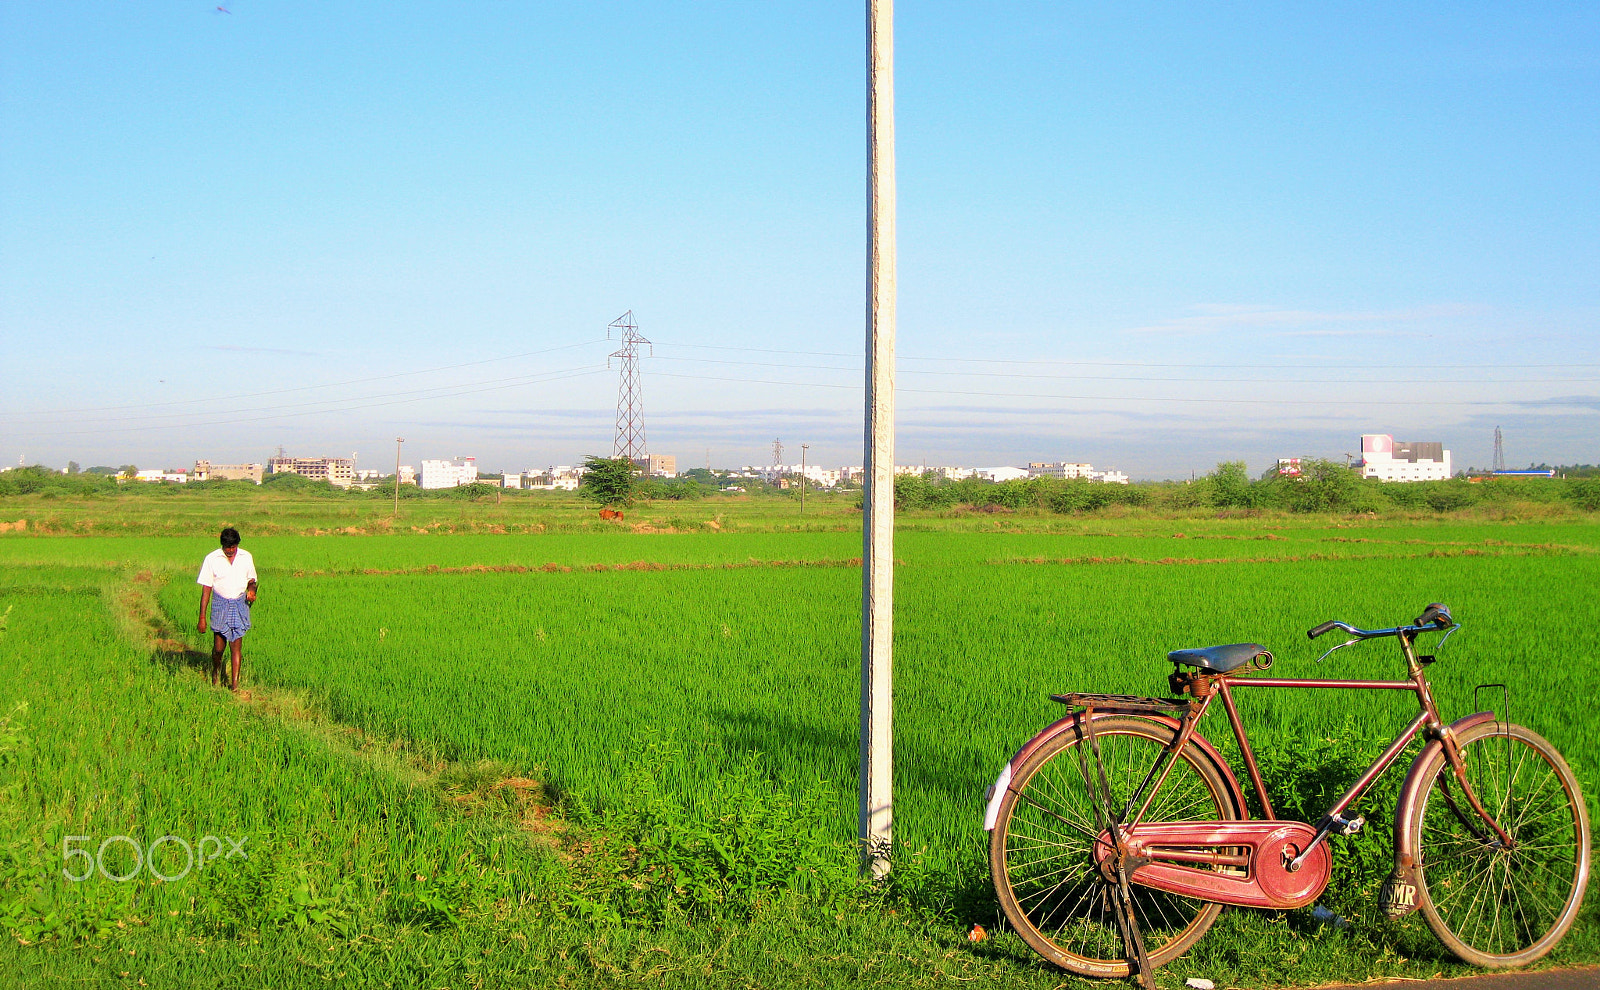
x,y
777,457
1499,451
629,442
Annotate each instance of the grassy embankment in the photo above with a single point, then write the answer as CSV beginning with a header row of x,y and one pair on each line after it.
x,y
423,686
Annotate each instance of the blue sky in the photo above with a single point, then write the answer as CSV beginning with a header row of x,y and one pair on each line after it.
x,y
1146,238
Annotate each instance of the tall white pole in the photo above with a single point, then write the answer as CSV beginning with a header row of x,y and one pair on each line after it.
x,y
877,557
397,442
803,448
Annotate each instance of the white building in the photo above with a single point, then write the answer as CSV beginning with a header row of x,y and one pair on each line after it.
x,y
449,474
1385,459
816,476
1002,473
157,475
557,477
1062,469
511,480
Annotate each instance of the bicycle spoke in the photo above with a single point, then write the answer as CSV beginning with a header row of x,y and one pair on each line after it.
x,y
1493,905
1051,870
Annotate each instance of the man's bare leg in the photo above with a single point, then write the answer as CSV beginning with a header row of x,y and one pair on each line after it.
x,y
238,647
218,644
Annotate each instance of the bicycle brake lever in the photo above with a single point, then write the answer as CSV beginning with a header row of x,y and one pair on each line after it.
x,y
1331,650
1439,646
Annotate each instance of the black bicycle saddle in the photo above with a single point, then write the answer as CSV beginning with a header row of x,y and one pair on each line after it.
x,y
1218,659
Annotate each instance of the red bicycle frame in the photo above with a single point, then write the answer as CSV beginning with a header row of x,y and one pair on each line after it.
x,y
1269,853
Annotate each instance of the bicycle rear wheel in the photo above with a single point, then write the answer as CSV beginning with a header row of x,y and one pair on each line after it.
x,y
1499,907
1041,857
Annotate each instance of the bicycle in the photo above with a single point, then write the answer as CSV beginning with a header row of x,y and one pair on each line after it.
x,y
1119,832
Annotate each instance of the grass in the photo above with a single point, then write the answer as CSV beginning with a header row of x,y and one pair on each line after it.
x,y
687,702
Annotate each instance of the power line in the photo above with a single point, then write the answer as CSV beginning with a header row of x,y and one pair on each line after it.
x,y
306,388
1119,398
1132,378
550,377
1098,364
342,403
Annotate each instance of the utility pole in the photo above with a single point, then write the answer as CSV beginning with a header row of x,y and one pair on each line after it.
x,y
875,816
803,448
397,442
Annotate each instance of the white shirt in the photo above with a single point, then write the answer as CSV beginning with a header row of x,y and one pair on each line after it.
x,y
227,578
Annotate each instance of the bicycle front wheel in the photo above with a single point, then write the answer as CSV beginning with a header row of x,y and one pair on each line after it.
x,y
1041,851
1489,905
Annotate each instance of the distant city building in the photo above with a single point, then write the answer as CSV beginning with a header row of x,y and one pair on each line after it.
x,y
1066,470
1288,467
207,471
511,480
657,465
156,475
449,474
785,475
998,474
339,472
1386,460
1063,470
557,477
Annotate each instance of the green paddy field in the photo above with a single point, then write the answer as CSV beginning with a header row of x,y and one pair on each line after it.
x,y
508,745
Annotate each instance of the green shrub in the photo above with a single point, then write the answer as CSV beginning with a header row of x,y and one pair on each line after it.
x,y
739,839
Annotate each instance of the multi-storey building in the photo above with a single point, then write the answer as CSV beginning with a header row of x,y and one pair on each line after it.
x,y
1384,458
657,465
207,471
339,472
1060,469
449,474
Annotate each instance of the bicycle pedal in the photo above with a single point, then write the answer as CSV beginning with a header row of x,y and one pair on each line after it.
x,y
1349,826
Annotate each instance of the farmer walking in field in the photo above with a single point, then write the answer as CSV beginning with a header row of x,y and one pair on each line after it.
x,y
227,590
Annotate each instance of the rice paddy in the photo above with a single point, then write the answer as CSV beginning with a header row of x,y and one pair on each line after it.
x,y
567,657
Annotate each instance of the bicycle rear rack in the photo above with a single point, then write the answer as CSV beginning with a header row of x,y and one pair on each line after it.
x,y
1121,704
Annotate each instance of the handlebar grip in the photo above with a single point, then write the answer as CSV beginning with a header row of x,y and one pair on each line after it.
x,y
1316,631
1436,614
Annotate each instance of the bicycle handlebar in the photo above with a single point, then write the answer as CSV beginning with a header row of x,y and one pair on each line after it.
x,y
1436,616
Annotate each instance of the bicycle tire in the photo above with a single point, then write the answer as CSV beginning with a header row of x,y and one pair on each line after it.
x,y
1028,851
1492,907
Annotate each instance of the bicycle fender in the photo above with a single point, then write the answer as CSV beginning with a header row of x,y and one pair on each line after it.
x,y
1398,896
997,790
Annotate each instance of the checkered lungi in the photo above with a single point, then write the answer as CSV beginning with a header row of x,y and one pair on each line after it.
x,y
230,617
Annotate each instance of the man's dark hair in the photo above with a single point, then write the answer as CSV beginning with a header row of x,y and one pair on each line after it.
x,y
230,538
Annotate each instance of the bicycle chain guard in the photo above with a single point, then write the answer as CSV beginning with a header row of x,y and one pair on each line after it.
x,y
1258,852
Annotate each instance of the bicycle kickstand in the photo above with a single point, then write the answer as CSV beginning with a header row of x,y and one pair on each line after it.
x,y
1121,893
